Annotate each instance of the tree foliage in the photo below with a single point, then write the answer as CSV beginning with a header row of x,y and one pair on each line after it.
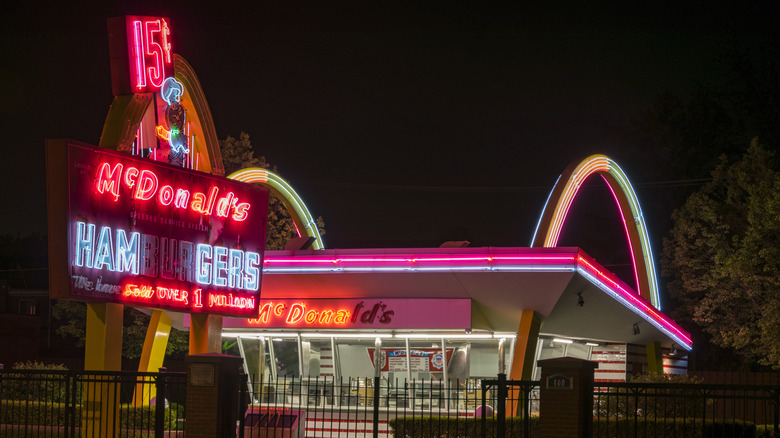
x,y
723,256
239,154
72,324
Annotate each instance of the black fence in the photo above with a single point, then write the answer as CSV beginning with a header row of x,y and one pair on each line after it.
x,y
327,407
685,410
54,403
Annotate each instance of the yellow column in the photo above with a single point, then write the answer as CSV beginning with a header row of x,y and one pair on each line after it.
x,y
152,355
655,360
205,333
523,360
103,352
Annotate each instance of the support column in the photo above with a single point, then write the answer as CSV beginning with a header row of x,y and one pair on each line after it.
x,y
153,355
523,359
566,398
205,333
103,352
212,405
655,359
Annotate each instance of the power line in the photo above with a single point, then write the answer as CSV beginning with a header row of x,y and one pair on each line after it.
x,y
496,189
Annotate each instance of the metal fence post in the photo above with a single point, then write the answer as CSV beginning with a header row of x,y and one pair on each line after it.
x,y
501,408
159,408
243,394
483,408
73,399
377,379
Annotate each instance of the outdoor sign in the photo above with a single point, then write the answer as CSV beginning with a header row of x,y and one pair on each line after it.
x,y
131,230
420,360
140,52
351,313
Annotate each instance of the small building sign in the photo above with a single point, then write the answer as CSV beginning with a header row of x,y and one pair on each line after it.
x,y
559,381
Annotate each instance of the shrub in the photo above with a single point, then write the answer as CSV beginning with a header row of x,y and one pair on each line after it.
x,y
663,396
34,413
453,427
648,428
767,431
36,381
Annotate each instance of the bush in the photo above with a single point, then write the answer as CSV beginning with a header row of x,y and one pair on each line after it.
x,y
664,396
767,431
34,413
648,428
35,381
453,427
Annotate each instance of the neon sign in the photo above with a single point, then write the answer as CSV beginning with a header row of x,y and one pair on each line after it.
x,y
144,185
351,313
143,232
140,48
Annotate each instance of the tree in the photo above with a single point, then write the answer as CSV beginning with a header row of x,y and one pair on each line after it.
x,y
72,324
239,154
723,256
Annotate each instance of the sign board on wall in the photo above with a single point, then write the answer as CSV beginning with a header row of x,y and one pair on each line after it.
x,y
131,230
420,359
351,313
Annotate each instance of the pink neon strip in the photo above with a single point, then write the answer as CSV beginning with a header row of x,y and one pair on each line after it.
x,y
418,259
628,236
637,301
530,260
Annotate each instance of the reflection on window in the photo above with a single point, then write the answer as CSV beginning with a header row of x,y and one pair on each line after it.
x,y
286,353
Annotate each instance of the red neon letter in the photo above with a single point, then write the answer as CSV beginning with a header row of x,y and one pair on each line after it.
x,y
138,47
181,199
241,211
166,195
147,185
156,71
296,313
130,176
108,179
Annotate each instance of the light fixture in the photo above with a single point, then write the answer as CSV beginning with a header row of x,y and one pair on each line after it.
x,y
592,344
636,328
563,341
580,300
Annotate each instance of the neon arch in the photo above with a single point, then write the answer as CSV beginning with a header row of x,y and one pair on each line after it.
x,y
559,202
292,201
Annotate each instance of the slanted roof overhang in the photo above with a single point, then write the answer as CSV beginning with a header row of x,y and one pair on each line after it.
x,y
501,282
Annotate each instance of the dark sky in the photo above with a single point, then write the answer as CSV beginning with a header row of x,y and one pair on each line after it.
x,y
400,123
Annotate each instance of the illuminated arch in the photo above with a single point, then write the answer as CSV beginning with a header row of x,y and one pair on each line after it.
x,y
127,111
295,206
559,202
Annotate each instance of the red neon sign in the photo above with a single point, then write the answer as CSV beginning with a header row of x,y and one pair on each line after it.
x,y
143,185
131,230
352,313
140,49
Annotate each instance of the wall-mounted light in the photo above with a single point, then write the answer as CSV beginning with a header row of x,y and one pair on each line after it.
x,y
592,344
580,300
636,328
563,341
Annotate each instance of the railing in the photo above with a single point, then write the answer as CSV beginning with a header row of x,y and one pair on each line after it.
x,y
325,407
665,409
55,403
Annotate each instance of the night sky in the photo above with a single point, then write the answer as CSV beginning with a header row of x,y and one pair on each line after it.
x,y
400,123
